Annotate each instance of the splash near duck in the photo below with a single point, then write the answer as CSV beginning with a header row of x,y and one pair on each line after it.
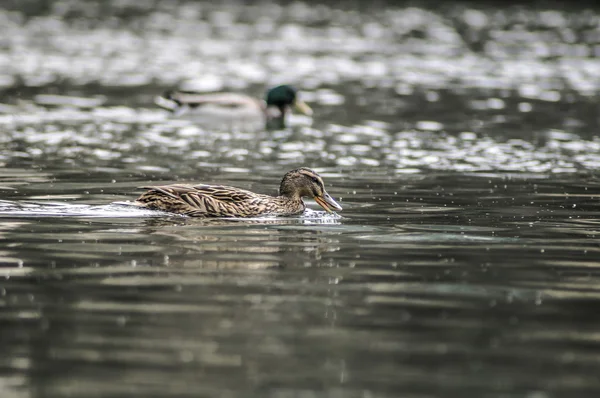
x,y
234,110
223,201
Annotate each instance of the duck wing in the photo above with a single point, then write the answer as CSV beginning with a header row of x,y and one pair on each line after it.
x,y
179,99
202,200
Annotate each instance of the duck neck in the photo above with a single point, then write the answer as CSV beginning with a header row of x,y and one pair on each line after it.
x,y
282,112
275,113
292,201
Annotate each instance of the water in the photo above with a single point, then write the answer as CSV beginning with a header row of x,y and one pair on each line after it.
x,y
460,141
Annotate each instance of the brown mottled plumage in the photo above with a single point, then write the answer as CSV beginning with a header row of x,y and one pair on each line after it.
x,y
223,201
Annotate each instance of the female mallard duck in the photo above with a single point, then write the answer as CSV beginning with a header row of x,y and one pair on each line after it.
x,y
235,111
222,201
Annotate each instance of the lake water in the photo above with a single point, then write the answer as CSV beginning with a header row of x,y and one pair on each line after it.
x,y
461,142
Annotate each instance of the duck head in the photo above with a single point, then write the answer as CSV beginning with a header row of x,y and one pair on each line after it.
x,y
284,97
304,182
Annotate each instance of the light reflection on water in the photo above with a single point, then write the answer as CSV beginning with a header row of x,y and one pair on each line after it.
x,y
114,142
461,144
398,283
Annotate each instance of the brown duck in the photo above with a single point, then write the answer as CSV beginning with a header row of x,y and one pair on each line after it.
x,y
222,201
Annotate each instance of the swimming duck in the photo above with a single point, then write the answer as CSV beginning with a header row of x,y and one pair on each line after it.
x,y
235,111
222,201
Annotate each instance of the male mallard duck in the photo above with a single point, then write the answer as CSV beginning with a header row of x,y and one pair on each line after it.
x,y
235,111
222,201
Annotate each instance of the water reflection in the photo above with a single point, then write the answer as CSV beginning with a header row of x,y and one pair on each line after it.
x,y
154,145
447,269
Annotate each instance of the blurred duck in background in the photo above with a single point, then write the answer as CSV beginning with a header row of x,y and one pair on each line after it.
x,y
233,111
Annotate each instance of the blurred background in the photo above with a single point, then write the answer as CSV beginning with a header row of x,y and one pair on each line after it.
x,y
494,72
460,137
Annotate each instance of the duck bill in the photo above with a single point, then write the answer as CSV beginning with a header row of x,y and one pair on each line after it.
x,y
327,203
301,107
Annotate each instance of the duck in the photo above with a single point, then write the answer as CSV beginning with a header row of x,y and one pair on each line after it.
x,y
224,201
232,111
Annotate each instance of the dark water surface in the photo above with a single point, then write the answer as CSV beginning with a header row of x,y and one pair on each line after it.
x,y
461,141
